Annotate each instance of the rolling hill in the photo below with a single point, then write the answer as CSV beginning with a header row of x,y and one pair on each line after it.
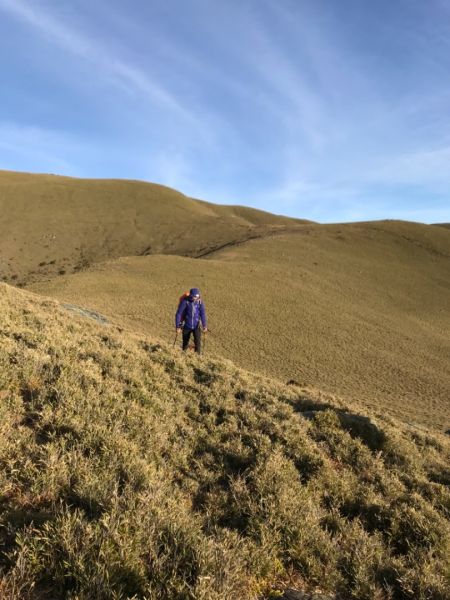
x,y
52,224
361,310
129,471
358,309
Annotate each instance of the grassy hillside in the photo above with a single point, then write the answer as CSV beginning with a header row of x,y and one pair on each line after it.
x,y
131,471
53,224
361,310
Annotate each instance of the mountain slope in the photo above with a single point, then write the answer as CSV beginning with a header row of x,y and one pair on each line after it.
x,y
53,224
131,471
357,309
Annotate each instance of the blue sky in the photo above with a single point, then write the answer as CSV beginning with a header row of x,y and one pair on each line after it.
x,y
323,109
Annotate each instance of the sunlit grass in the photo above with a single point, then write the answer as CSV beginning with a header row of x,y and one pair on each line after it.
x,y
359,310
129,470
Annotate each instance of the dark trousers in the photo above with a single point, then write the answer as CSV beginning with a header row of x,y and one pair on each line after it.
x,y
197,338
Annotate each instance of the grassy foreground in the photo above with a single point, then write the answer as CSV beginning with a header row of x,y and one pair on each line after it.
x,y
131,471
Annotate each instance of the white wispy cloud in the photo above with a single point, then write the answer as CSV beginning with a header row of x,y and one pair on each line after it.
x,y
297,105
109,66
260,102
169,120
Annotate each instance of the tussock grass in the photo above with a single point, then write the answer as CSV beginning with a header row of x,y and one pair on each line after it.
x,y
131,471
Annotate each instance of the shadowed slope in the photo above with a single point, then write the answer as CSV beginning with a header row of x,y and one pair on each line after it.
x,y
130,471
53,224
358,309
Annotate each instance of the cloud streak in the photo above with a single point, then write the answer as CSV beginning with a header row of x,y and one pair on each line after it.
x,y
109,66
295,106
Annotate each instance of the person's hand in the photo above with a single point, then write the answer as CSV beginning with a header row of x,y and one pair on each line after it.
x,y
205,329
178,329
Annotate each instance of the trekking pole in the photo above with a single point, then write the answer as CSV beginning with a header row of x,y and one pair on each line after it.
x,y
175,340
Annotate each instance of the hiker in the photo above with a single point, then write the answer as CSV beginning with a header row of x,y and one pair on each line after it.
x,y
190,315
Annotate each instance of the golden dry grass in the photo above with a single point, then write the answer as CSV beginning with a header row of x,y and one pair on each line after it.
x,y
130,471
53,224
357,309
360,310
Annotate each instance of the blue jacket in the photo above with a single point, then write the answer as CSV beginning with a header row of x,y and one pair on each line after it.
x,y
191,312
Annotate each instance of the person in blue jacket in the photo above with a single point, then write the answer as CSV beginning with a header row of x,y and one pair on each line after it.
x,y
191,319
